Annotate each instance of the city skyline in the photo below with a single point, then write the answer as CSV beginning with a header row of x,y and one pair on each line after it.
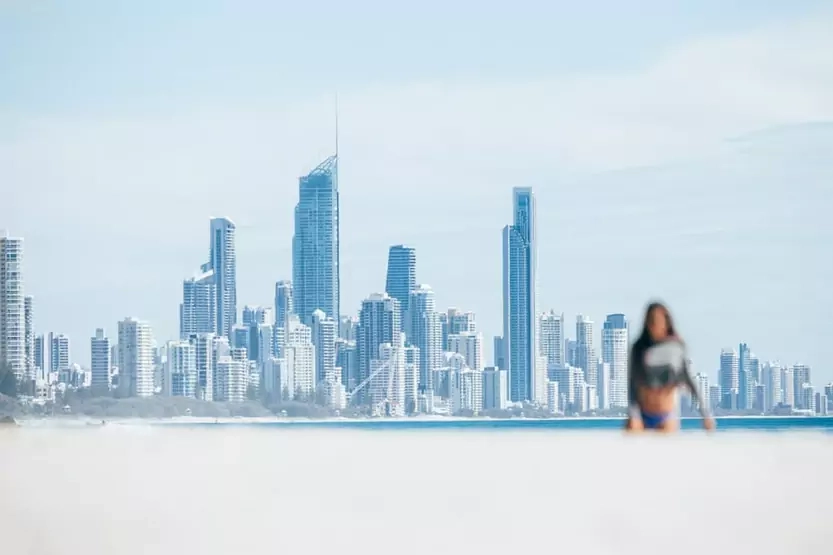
x,y
706,188
402,268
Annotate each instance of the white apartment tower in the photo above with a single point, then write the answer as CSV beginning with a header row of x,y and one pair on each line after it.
x,y
181,371
426,334
300,357
729,378
232,379
198,311
204,361
551,334
615,347
388,387
771,378
12,307
324,334
585,352
136,358
411,379
29,336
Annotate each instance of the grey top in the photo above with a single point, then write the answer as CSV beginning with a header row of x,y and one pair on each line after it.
x,y
663,364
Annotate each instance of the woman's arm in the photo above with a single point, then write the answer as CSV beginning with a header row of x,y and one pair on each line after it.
x,y
634,412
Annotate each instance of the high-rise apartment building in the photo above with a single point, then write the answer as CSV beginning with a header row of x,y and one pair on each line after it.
x,y
29,337
771,379
324,332
284,303
585,349
551,337
455,321
59,352
100,363
401,280
729,378
41,357
426,334
256,315
223,261
300,357
520,265
12,308
181,375
386,391
135,358
348,327
379,323
468,344
315,245
205,364
347,361
801,377
198,311
615,349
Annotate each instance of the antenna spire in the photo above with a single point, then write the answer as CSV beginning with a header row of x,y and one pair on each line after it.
x,y
336,124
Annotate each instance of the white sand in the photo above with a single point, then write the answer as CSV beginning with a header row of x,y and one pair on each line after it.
x,y
170,490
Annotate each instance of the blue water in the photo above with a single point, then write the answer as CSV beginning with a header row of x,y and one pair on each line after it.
x,y
768,424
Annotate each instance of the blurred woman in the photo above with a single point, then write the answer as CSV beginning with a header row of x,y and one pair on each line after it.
x,y
658,365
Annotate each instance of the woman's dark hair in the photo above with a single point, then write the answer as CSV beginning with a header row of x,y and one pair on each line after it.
x,y
644,341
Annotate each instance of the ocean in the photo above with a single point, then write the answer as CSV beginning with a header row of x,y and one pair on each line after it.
x,y
426,486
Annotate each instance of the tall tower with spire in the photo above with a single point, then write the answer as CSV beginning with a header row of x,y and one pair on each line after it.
x,y
315,245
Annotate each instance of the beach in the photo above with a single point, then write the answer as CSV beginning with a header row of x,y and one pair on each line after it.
x,y
138,489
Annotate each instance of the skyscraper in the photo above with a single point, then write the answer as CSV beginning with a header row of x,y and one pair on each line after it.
x,y
519,289
729,379
198,311
41,357
551,329
205,364
315,245
771,377
284,305
324,334
300,357
746,384
401,279
468,344
181,371
223,261
455,321
379,323
29,336
426,334
12,308
801,377
100,363
59,352
256,315
135,359
348,327
615,339
347,361
585,350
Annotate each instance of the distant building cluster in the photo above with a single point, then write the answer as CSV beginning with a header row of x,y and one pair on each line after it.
x,y
399,355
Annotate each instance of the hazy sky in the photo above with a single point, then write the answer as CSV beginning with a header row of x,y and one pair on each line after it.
x,y
684,150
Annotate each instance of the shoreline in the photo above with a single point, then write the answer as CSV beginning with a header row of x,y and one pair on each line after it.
x,y
263,420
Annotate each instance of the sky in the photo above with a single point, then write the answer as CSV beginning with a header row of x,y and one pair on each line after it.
x,y
681,151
